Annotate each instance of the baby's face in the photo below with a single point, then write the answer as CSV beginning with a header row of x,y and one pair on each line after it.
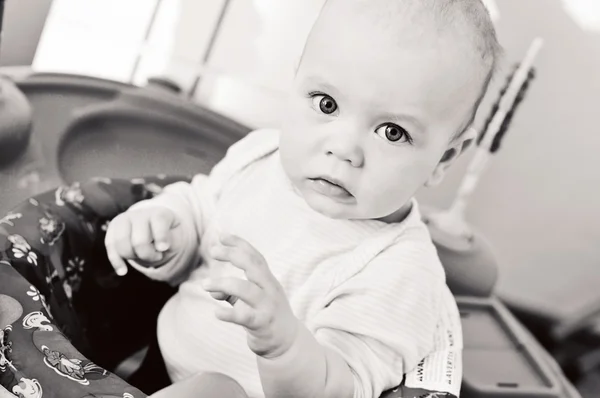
x,y
371,117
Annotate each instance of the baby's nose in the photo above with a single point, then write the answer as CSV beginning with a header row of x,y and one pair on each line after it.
x,y
347,149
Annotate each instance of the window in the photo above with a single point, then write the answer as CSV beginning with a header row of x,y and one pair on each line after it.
x,y
102,38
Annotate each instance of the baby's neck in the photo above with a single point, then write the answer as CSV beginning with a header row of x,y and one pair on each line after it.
x,y
399,215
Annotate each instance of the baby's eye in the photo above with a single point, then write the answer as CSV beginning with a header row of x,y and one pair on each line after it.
x,y
393,133
324,103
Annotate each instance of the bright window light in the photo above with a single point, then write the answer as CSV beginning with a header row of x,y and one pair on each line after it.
x,y
102,38
493,9
586,13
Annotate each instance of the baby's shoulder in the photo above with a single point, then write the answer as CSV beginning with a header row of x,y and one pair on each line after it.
x,y
410,253
255,143
249,150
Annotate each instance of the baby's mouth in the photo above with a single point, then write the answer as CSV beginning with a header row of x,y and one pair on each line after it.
x,y
330,187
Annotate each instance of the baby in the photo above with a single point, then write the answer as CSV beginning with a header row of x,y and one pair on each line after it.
x,y
303,266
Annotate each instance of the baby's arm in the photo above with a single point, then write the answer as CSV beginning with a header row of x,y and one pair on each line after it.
x,y
307,369
377,326
291,361
187,201
194,203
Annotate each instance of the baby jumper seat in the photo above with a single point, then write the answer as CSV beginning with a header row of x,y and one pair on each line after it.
x,y
67,320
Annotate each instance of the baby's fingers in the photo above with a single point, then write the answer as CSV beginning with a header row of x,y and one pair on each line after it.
x,y
234,287
142,242
248,259
116,261
112,252
219,296
160,225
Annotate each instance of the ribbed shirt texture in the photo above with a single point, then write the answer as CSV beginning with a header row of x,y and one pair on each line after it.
x,y
374,292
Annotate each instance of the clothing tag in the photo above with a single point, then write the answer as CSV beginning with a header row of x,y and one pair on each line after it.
x,y
441,371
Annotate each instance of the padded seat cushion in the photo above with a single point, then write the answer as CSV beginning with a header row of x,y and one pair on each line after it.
x,y
61,302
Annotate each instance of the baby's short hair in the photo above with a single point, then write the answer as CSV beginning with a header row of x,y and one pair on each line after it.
x,y
470,19
474,17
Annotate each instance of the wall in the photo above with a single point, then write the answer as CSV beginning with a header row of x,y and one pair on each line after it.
x,y
540,203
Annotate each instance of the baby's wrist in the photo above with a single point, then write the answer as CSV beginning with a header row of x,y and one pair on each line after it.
x,y
295,345
298,372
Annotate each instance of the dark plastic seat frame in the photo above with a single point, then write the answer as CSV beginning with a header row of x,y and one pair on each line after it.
x,y
108,318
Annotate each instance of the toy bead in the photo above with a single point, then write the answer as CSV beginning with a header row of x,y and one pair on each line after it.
x,y
15,122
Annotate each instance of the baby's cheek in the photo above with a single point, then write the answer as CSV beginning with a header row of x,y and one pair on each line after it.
x,y
289,158
296,113
383,196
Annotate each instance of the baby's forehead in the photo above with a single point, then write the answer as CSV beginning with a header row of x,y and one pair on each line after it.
x,y
385,35
390,14
463,24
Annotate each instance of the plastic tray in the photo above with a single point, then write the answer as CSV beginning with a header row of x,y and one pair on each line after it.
x,y
498,363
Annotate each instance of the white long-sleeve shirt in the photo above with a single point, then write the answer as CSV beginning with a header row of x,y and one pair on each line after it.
x,y
372,291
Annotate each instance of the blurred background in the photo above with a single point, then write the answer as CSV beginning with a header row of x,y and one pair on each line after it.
x,y
539,202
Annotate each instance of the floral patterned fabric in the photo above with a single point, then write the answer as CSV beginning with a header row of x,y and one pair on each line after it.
x,y
61,302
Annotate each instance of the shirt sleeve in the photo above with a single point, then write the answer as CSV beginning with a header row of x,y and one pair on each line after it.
x,y
194,203
383,321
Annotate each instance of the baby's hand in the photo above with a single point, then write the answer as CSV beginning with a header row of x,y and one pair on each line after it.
x,y
143,235
262,306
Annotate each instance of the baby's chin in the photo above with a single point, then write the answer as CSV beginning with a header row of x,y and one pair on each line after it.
x,y
338,211
335,210
328,207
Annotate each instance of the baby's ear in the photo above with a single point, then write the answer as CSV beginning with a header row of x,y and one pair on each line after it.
x,y
458,146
